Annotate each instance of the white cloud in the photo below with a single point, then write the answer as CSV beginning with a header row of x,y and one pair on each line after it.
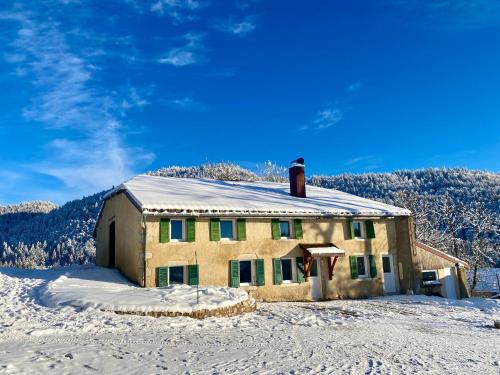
x,y
189,54
327,118
187,103
454,13
180,10
92,155
240,28
354,86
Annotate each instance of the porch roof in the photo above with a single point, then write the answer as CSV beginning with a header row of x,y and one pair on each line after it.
x,y
323,250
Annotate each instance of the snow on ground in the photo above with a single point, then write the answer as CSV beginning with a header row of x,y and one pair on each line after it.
x,y
107,289
400,334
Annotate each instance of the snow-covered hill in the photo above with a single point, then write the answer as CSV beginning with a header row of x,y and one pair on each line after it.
x,y
41,234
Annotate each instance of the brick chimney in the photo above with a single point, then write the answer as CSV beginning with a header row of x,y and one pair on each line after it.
x,y
297,178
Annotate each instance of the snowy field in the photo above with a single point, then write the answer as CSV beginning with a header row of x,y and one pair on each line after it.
x,y
106,289
385,335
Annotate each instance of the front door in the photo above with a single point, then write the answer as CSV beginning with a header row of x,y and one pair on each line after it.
x,y
315,280
389,275
449,283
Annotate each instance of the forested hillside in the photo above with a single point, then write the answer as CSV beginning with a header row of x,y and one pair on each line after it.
x,y
456,210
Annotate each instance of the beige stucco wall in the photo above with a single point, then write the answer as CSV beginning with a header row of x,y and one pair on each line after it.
x,y
429,261
214,256
129,258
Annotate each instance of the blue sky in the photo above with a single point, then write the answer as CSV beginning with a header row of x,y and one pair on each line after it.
x,y
95,92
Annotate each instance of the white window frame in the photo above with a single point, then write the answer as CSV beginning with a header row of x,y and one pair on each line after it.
x,y
435,272
367,266
362,226
253,271
184,273
184,236
290,229
233,223
294,271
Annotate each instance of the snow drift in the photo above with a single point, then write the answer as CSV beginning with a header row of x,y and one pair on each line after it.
x,y
106,289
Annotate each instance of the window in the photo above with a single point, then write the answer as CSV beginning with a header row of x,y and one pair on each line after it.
x,y
287,270
226,230
386,264
361,265
430,278
177,230
359,229
314,268
176,275
246,268
285,229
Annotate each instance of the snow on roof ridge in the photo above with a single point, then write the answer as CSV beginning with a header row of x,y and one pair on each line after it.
x,y
206,196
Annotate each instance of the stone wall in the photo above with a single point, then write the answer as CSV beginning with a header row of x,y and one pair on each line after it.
x,y
240,308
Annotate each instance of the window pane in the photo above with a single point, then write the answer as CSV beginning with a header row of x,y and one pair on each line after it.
x,y
285,228
386,264
357,229
176,230
361,266
314,268
246,271
226,229
176,275
286,268
429,276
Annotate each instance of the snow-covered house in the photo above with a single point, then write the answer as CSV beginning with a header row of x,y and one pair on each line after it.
x,y
276,240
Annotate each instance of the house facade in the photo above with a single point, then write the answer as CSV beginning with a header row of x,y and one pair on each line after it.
x,y
275,240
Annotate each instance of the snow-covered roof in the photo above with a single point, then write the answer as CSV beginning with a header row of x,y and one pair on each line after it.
x,y
189,196
326,251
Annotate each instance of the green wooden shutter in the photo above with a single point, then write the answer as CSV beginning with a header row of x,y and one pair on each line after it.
x,y
161,276
242,230
354,267
275,228
164,230
277,272
373,266
370,230
193,276
297,226
191,229
300,269
350,229
234,274
214,229
259,271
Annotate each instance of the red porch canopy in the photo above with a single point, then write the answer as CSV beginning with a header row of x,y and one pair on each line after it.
x,y
325,250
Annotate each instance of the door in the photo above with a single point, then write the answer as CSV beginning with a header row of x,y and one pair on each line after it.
x,y
315,280
449,283
389,275
112,244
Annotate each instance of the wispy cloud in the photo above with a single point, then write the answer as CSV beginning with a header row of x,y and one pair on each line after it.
x,y
239,28
454,13
366,163
179,10
189,54
67,97
187,103
325,118
355,86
